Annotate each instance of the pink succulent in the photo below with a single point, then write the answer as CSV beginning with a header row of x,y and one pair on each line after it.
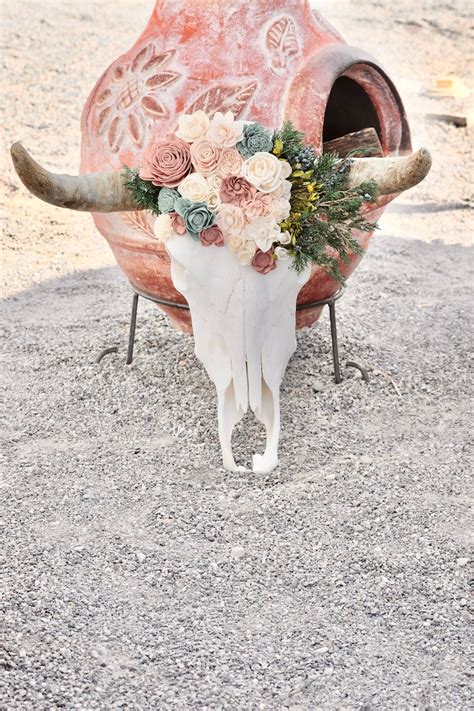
x,y
212,236
263,262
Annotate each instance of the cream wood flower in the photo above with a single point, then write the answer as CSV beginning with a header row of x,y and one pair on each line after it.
x,y
283,190
163,227
242,249
285,238
214,181
265,171
213,200
280,209
230,219
224,131
194,187
281,253
192,126
264,231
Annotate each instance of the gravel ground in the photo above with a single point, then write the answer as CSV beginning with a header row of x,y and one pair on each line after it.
x,y
139,574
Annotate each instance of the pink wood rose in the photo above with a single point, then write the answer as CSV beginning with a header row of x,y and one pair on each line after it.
x,y
264,262
205,156
166,163
257,206
177,223
230,162
212,236
236,190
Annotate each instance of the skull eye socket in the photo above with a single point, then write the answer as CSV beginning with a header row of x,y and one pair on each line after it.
x,y
348,109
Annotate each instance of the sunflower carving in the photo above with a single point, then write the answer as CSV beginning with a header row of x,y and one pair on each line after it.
x,y
134,96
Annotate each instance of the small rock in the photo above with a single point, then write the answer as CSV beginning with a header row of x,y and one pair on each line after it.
x,y
365,459
320,387
462,562
237,552
140,556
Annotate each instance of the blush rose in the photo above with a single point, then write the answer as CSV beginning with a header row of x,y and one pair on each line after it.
x,y
166,163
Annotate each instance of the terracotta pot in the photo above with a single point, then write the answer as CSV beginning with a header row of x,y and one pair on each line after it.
x,y
266,61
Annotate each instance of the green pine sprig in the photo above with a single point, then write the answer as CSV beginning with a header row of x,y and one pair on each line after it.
x,y
144,192
323,234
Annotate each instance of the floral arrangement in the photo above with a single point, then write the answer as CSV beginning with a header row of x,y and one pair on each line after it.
x,y
265,195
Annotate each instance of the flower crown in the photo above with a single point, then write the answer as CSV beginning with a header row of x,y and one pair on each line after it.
x,y
263,194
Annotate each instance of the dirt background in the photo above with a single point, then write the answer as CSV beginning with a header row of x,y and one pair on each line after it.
x,y
139,574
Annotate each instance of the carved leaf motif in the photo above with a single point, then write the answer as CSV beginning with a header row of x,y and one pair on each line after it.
x,y
162,79
158,61
115,134
153,107
142,56
135,129
282,43
104,98
102,120
118,73
224,98
139,220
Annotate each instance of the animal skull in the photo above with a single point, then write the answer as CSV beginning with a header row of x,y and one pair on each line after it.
x,y
244,331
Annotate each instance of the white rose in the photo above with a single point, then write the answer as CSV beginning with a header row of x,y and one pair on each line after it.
x,y
192,126
280,209
213,200
242,249
281,253
194,187
264,171
264,231
163,227
283,190
285,238
214,181
223,131
230,219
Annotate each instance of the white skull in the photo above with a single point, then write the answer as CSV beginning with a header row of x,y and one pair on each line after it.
x,y
244,331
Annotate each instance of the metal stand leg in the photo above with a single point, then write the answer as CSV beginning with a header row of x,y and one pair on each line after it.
x,y
133,326
131,335
335,347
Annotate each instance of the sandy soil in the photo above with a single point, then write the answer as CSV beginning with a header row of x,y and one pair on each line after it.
x,y
139,574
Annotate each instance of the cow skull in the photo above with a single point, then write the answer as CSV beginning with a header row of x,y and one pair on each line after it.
x,y
244,331
243,321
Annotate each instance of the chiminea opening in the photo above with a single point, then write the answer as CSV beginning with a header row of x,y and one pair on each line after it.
x,y
349,109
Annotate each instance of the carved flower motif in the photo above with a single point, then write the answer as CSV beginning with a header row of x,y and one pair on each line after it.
x,y
134,96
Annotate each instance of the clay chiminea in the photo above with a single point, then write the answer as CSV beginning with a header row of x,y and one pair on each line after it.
x,y
265,60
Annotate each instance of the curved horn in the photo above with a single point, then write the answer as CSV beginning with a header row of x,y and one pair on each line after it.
x,y
93,192
392,175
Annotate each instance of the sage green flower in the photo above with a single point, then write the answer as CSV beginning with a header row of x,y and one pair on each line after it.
x,y
196,215
166,199
256,139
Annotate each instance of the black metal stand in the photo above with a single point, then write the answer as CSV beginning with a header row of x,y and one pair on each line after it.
x,y
331,303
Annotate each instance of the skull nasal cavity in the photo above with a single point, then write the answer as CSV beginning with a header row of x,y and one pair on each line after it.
x,y
348,109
